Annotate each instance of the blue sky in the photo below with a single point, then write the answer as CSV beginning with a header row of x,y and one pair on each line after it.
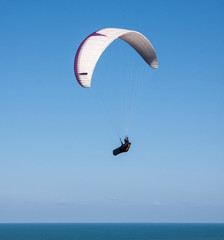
x,y
57,139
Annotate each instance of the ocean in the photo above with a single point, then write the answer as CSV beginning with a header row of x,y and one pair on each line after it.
x,y
109,231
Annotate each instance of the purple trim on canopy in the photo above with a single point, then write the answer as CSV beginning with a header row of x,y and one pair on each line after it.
x,y
78,52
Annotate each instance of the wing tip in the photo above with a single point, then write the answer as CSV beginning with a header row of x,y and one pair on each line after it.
x,y
154,64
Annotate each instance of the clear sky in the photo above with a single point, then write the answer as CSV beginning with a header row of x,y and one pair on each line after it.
x,y
56,138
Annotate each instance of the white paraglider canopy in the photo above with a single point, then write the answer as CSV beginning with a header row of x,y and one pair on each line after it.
x,y
93,46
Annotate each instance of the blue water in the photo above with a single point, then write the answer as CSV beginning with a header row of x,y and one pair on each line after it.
x,y
108,231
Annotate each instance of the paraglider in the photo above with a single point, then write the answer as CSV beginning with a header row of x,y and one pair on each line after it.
x,y
94,45
123,148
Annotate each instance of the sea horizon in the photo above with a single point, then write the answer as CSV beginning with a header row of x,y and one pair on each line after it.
x,y
112,231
